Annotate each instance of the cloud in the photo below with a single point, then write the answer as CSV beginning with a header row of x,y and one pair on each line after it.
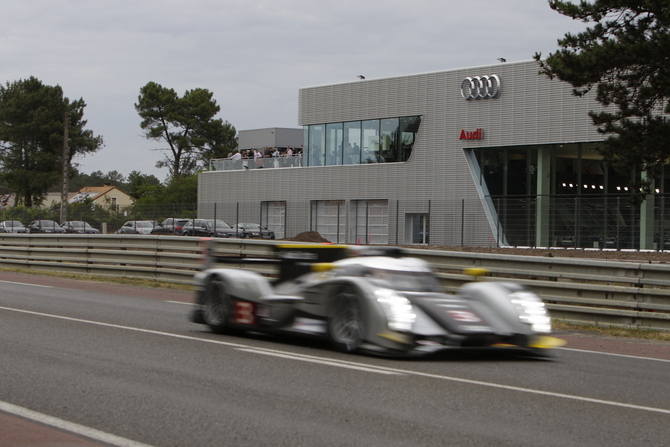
x,y
253,55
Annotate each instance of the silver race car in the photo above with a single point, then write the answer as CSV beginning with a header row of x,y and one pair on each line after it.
x,y
368,299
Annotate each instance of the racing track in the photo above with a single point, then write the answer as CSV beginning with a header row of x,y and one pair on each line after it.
x,y
127,364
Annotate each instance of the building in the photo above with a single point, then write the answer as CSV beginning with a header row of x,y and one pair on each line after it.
x,y
480,156
106,196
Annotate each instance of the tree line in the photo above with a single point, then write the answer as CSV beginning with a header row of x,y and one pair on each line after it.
x,y
35,118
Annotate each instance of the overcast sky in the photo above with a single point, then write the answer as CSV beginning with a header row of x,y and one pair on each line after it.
x,y
253,55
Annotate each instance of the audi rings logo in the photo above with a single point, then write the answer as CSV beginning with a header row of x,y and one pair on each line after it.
x,y
481,87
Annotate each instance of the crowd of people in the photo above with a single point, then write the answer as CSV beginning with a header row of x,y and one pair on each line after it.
x,y
266,152
275,153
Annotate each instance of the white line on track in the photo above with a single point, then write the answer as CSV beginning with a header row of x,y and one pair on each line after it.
x,y
294,356
322,361
71,427
26,284
615,355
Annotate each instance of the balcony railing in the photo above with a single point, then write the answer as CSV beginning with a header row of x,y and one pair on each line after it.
x,y
227,164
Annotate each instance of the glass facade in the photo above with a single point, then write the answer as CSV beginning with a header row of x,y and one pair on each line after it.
x,y
388,140
564,195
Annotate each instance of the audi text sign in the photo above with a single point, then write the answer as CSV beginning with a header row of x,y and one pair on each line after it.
x,y
481,87
474,135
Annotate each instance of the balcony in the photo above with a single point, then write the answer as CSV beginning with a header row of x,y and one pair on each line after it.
x,y
227,164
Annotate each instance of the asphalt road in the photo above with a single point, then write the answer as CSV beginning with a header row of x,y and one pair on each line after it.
x,y
126,365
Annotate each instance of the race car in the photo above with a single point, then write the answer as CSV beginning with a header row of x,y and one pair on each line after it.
x,y
367,299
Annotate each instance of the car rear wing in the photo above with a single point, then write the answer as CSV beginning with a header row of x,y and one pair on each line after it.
x,y
293,260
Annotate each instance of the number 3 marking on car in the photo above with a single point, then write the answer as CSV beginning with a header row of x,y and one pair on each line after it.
x,y
244,313
464,316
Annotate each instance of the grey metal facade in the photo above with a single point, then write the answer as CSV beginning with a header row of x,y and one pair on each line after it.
x,y
270,137
439,176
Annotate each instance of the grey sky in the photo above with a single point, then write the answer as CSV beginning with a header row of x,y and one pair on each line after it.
x,y
253,55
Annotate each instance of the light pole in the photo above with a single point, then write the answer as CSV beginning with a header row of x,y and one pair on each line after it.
x,y
63,191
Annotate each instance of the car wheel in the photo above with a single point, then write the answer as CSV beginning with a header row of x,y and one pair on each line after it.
x,y
218,306
346,325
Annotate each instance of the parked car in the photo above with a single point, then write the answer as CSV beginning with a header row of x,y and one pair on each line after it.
x,y
44,226
12,226
136,227
247,230
208,228
171,225
79,227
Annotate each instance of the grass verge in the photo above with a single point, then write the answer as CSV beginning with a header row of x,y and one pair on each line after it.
x,y
614,331
106,279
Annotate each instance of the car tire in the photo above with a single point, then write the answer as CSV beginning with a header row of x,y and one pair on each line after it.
x,y
217,306
346,322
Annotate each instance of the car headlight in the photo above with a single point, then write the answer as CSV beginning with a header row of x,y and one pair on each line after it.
x,y
398,309
531,311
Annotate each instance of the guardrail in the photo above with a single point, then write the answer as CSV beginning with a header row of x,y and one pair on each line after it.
x,y
631,294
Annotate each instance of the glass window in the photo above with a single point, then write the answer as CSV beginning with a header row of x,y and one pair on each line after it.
x,y
491,162
409,126
317,144
334,144
567,168
618,180
388,152
352,143
305,144
417,228
592,168
521,171
389,140
370,148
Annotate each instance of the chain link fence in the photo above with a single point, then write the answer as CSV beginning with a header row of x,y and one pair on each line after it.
x,y
578,221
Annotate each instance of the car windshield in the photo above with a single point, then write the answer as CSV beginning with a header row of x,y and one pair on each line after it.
x,y
13,223
252,226
144,224
408,281
217,223
80,224
47,223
